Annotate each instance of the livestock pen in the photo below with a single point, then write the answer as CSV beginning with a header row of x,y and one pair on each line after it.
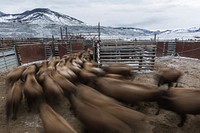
x,y
139,54
165,122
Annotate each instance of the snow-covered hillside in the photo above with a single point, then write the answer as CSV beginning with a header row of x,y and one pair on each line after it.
x,y
180,34
1,13
41,16
43,22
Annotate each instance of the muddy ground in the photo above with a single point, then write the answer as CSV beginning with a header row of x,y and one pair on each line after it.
x,y
165,122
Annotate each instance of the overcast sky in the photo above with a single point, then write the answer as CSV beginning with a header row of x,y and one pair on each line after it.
x,y
148,14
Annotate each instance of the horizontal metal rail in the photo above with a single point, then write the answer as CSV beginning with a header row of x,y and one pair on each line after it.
x,y
8,59
140,56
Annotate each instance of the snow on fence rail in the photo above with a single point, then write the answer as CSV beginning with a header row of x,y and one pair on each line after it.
x,y
8,59
137,54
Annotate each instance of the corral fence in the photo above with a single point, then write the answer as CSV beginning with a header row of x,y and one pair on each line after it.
x,y
19,54
140,55
179,48
34,52
8,59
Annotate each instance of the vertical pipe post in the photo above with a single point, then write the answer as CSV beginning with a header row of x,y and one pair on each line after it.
x,y
99,31
98,44
17,55
53,46
61,34
66,33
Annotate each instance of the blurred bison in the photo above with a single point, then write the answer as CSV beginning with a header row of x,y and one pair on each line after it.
x,y
53,122
168,76
183,101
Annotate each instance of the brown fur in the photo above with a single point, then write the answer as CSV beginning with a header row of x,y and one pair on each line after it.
x,y
78,61
127,91
121,69
53,122
90,64
132,118
33,91
75,63
86,76
91,67
53,92
115,76
32,69
43,67
97,120
14,75
168,76
52,63
182,101
67,86
66,72
87,93
75,69
13,99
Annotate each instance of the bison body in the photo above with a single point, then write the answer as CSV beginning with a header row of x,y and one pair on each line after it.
x,y
182,101
97,120
53,122
168,76
127,91
33,91
15,75
132,118
13,99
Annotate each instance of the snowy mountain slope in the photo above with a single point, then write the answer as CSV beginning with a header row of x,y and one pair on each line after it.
x,y
41,16
1,13
42,22
180,34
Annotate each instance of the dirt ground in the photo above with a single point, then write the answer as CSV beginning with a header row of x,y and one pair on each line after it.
x,y
165,122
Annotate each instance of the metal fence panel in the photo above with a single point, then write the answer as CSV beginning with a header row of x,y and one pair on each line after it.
x,y
8,59
140,56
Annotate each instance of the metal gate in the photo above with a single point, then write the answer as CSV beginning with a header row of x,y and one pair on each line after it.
x,y
8,59
140,55
171,48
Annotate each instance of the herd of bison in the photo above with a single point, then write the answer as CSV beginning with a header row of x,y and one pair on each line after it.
x,y
101,99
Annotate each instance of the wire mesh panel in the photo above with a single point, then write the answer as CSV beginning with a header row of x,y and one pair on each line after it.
x,y
8,59
140,55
